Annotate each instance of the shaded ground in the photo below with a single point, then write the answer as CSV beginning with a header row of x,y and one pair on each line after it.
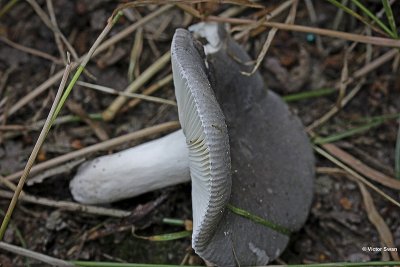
x,y
338,226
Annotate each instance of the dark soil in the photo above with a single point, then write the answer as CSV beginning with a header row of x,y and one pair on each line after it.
x,y
338,226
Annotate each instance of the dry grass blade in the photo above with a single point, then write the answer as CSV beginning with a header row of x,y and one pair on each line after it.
x,y
355,174
35,151
335,109
130,95
35,255
370,66
375,218
343,80
57,36
361,167
116,105
47,21
271,35
103,146
133,70
137,3
29,50
148,91
67,205
97,129
378,41
104,46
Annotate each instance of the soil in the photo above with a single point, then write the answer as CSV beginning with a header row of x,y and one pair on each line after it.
x,y
338,226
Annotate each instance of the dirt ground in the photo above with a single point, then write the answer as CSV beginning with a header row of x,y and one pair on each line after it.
x,y
341,221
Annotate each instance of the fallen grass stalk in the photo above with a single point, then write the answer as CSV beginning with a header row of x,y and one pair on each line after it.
x,y
361,167
34,255
378,41
116,105
335,109
106,44
29,50
148,91
271,35
67,205
103,146
53,27
111,22
127,94
35,151
357,176
376,219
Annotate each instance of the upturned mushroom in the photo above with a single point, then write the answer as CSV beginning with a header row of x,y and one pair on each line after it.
x,y
272,165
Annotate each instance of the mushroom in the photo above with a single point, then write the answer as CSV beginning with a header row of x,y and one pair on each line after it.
x,y
272,164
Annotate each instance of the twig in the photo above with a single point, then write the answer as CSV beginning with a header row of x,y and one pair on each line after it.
x,y
34,153
106,145
35,255
29,50
56,77
115,106
67,205
125,94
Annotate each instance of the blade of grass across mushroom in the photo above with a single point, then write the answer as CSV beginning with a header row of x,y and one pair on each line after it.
x,y
55,110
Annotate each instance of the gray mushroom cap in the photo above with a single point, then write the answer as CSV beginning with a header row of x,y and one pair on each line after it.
x,y
206,133
271,157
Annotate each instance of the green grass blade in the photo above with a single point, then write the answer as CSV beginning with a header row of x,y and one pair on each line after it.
x,y
390,17
309,94
370,123
345,134
165,237
7,7
374,18
353,13
259,220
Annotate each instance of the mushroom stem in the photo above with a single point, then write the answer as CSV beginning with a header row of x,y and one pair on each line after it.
x,y
144,168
